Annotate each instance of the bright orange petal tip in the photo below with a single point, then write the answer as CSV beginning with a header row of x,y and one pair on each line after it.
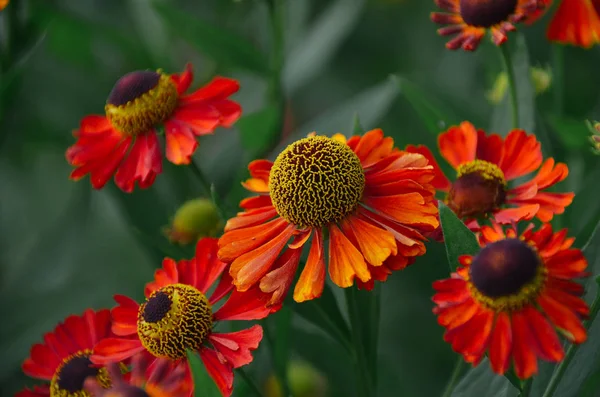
x,y
179,314
62,361
469,20
576,22
486,166
124,142
353,190
514,298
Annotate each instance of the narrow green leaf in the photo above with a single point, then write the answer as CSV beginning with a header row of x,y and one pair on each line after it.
x,y
458,238
204,385
481,381
501,118
259,130
220,44
325,313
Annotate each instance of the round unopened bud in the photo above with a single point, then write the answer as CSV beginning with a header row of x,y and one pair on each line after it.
x,y
499,89
541,79
193,220
303,379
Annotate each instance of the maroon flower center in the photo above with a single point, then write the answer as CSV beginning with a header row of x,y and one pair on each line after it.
x,y
157,307
131,86
74,372
504,267
486,13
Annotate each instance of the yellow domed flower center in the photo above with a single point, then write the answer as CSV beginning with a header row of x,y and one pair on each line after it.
x,y
70,375
316,181
506,275
140,101
173,319
486,13
479,189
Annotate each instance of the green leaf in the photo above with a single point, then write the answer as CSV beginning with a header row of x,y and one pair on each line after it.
x,y
320,43
458,238
325,313
204,385
258,130
220,44
501,118
481,381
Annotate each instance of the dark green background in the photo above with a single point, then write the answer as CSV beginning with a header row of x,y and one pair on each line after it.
x,y
65,247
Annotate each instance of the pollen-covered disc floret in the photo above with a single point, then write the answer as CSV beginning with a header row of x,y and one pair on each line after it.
x,y
141,100
479,189
486,13
70,375
173,319
316,181
506,275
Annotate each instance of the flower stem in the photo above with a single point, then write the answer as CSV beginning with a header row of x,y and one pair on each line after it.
x,y
208,188
363,378
454,378
570,354
514,102
249,382
526,388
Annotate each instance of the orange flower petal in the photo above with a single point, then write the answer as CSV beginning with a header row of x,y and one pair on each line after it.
x,y
575,22
523,350
181,143
218,369
240,241
250,218
501,343
564,319
345,261
440,182
547,344
455,315
114,350
458,145
312,279
522,154
513,215
408,208
375,244
278,281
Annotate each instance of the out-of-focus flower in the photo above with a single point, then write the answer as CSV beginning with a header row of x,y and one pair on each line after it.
x,y
3,4
469,20
124,142
178,316
485,164
193,220
303,379
541,78
511,298
63,360
372,200
149,377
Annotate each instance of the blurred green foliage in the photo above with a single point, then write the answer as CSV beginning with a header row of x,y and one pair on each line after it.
x,y
65,247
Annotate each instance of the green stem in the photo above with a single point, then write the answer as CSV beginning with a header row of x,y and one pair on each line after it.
x,y
363,378
514,102
282,378
570,354
558,77
455,377
249,382
208,188
526,388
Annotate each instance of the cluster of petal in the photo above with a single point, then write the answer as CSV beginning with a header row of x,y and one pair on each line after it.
x,y
575,22
225,351
517,155
102,150
383,234
74,335
518,336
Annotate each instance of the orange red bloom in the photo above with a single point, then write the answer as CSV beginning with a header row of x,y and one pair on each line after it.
x,y
469,20
125,142
178,316
374,203
485,164
511,298
63,360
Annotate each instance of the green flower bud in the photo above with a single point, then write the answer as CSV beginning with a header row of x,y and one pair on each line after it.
x,y
541,79
193,220
303,379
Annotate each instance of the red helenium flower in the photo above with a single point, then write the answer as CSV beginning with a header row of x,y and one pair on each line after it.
x,y
576,22
485,164
178,316
469,20
125,143
511,298
373,201
63,360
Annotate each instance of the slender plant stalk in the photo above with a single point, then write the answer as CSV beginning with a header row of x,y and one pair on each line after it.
x,y
526,388
208,189
510,72
558,65
455,377
249,382
363,378
570,354
281,378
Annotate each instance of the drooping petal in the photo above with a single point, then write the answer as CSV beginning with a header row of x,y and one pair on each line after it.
x,y
564,319
501,344
523,350
575,22
219,370
181,142
375,244
345,260
312,279
236,347
547,344
142,165
248,305
278,281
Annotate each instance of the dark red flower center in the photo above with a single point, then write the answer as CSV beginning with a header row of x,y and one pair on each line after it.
x,y
131,86
478,190
157,307
596,4
504,267
72,375
486,13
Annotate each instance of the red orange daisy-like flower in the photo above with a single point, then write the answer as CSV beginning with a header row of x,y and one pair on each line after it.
x,y
63,360
575,22
178,316
148,378
469,20
485,164
373,201
511,298
125,142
